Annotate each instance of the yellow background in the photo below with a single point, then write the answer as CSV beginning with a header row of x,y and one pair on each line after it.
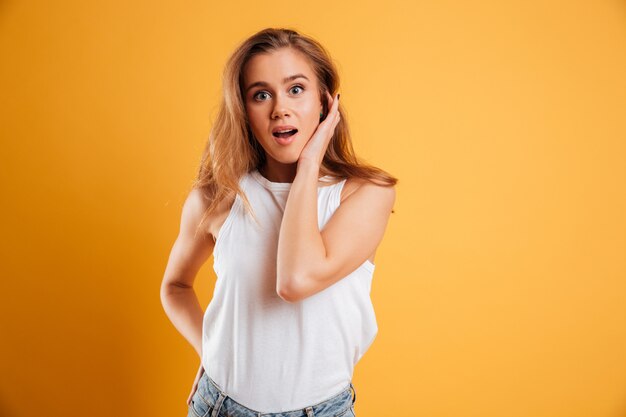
x,y
500,287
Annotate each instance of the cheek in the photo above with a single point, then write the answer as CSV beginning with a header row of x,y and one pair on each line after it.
x,y
313,108
311,112
255,119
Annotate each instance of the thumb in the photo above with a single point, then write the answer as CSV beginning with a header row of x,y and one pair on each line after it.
x,y
193,391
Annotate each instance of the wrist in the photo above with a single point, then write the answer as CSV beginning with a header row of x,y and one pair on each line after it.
x,y
308,166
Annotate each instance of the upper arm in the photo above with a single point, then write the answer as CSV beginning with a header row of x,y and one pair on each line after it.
x,y
192,247
352,234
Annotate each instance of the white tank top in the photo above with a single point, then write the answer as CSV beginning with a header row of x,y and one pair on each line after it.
x,y
265,353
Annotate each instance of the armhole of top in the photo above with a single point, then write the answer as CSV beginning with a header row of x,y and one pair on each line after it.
x,y
337,196
226,225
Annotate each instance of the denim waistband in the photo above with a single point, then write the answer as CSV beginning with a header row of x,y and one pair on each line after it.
x,y
222,404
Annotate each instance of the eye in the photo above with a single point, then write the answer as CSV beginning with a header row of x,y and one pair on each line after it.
x,y
257,94
297,86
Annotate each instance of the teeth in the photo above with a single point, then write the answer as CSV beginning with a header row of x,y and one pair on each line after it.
x,y
284,131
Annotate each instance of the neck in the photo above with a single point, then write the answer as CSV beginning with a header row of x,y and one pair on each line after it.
x,y
279,172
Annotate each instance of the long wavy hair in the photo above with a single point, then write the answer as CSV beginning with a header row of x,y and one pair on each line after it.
x,y
232,151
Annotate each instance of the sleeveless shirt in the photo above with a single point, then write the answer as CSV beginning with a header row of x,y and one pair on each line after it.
x,y
268,354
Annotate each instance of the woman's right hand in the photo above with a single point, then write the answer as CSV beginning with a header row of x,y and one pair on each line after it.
x,y
195,384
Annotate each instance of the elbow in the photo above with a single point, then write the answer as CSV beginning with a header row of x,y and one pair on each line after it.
x,y
169,288
288,290
287,295
165,290
164,293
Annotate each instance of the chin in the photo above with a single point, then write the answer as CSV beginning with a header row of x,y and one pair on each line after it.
x,y
286,159
283,154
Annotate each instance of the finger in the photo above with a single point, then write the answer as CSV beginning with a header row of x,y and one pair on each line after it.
x,y
333,110
332,102
335,103
194,388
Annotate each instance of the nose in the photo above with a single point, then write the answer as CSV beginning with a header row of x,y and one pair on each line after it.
x,y
279,109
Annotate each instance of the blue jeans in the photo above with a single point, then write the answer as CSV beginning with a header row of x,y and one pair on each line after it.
x,y
211,401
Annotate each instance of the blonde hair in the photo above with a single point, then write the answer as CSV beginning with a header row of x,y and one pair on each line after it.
x,y
232,151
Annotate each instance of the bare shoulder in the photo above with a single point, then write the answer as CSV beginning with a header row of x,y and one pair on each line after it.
x,y
194,213
194,208
374,191
197,204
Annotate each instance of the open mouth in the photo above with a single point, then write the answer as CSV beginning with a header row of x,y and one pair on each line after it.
x,y
285,134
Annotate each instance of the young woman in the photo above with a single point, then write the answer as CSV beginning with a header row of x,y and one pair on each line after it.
x,y
293,220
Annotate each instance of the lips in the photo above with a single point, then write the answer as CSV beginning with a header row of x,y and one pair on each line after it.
x,y
284,131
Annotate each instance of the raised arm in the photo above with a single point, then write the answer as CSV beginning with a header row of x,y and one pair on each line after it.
x,y
309,260
188,254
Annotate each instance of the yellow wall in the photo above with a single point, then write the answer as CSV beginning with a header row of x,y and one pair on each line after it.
x,y
500,284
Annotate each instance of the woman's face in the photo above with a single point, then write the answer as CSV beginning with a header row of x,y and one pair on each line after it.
x,y
281,93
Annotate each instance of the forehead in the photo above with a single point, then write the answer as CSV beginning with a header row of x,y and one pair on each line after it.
x,y
274,66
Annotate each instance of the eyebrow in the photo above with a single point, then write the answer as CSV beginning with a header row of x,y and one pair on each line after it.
x,y
285,80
